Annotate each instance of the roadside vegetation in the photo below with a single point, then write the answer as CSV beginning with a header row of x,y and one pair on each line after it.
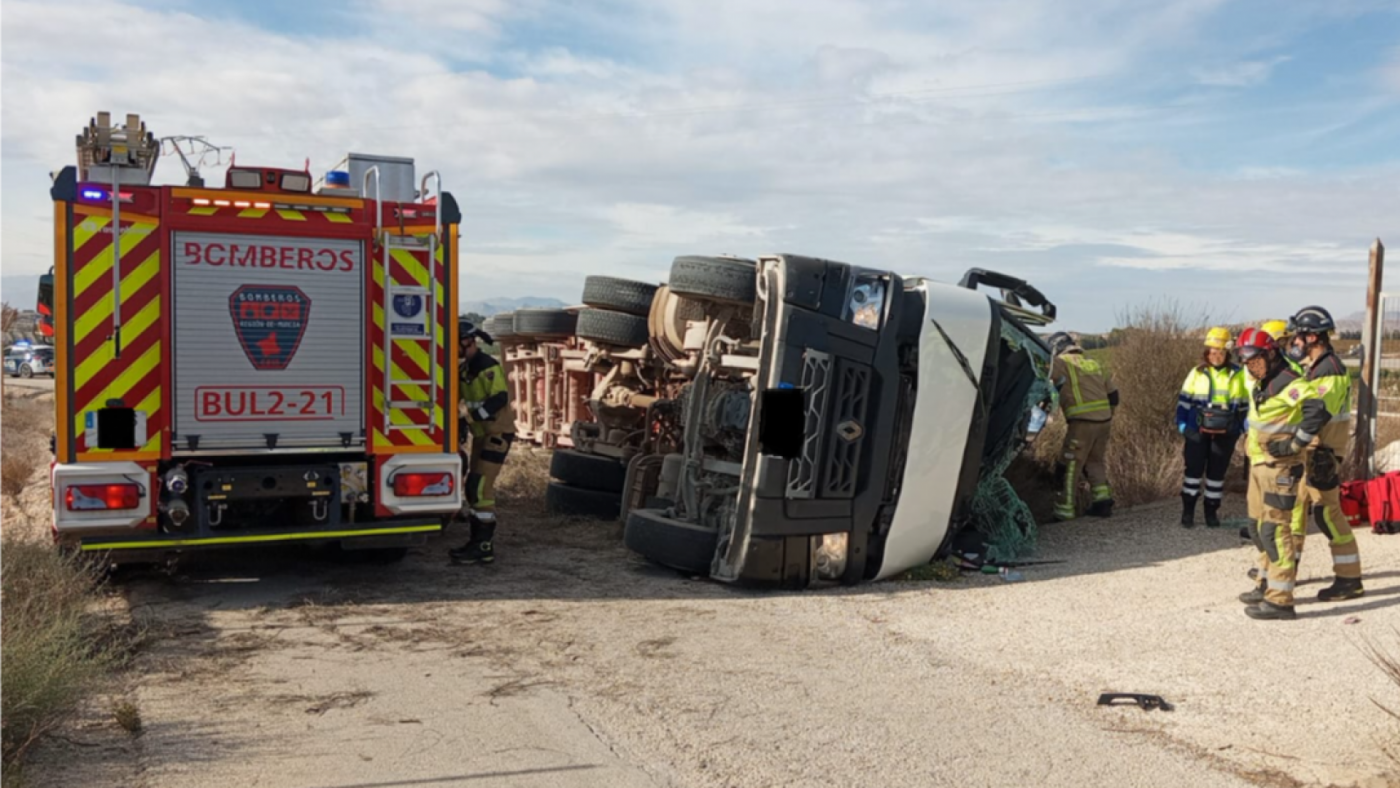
x,y
57,643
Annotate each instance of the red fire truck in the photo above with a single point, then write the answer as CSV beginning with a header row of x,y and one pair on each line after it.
x,y
256,363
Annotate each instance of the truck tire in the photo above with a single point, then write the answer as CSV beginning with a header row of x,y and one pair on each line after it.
x,y
560,498
501,327
588,471
679,545
619,295
544,323
613,328
720,279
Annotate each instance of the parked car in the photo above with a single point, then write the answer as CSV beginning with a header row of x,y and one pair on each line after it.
x,y
26,361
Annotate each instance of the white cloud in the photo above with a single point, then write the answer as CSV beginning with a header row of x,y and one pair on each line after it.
x,y
1245,74
925,138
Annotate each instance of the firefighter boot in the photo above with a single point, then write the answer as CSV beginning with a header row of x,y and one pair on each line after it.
x,y
479,548
1267,611
1101,508
1212,514
1255,596
1341,588
1188,511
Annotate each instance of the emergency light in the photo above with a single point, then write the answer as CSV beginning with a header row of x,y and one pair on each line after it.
x,y
94,194
89,497
337,179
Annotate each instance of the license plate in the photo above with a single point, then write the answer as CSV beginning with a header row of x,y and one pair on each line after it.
x,y
269,403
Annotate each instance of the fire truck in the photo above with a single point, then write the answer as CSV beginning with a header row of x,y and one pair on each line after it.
x,y
259,363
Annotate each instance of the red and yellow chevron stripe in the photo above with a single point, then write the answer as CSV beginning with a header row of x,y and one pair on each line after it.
x,y
99,375
409,360
285,214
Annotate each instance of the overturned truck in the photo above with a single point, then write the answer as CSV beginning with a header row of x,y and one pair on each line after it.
x,y
809,421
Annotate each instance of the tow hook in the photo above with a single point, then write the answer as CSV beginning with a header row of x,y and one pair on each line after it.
x,y
1146,702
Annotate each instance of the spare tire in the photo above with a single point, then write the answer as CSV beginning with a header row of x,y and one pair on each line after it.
x,y
544,323
721,279
679,545
588,471
619,295
565,499
612,328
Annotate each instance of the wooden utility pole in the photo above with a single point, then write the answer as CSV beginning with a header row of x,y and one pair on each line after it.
x,y
1371,364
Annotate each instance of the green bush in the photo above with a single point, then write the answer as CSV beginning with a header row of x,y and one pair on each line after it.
x,y
53,649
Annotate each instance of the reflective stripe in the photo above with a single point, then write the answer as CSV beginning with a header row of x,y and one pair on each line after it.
x,y
411,529
1354,558
1214,495
1280,585
1102,493
1191,491
1097,406
1215,485
486,517
1278,429
1190,480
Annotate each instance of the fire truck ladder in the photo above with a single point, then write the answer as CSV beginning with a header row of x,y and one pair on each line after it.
x,y
429,296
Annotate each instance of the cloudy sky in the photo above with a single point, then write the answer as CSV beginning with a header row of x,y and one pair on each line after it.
x,y
1236,155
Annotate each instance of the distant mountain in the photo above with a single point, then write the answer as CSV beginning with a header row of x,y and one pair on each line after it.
x,y
491,306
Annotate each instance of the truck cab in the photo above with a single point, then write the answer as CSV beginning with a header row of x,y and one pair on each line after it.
x,y
836,426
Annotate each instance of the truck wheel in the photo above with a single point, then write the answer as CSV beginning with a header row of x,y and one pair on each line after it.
x,y
613,328
619,295
501,327
588,471
573,501
679,545
26,371
544,323
719,279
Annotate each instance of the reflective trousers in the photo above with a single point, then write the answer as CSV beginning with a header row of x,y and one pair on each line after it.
x,y
1086,443
1324,506
1273,495
1207,459
488,456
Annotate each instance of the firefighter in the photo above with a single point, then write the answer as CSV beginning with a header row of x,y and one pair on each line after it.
x,y
1293,352
1327,416
1210,413
1275,416
490,420
1088,398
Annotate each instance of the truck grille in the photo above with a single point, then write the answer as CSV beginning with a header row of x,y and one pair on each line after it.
x,y
816,378
847,429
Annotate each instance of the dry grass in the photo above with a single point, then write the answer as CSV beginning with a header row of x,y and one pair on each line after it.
x,y
26,421
54,648
1159,346
1389,664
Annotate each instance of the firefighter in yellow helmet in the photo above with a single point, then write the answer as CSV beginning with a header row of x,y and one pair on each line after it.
x,y
490,419
1293,353
1210,413
1088,397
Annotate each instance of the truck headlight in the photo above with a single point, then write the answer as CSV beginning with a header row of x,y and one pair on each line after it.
x,y
831,556
866,304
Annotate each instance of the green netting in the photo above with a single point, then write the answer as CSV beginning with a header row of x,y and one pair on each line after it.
x,y
1005,522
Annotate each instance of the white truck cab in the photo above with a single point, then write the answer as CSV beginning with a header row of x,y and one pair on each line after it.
x,y
838,428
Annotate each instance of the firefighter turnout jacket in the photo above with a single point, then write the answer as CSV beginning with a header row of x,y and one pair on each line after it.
x,y
1086,390
485,393
1275,411
1225,388
1327,415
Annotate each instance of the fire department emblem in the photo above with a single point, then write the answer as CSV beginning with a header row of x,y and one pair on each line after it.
x,y
270,321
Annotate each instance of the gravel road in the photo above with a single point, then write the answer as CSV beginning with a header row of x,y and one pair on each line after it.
x,y
572,663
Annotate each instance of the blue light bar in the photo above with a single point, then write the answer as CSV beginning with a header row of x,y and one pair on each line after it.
x,y
339,179
96,195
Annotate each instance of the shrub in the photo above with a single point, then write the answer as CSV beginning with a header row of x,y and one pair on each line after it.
x,y
1151,354
52,650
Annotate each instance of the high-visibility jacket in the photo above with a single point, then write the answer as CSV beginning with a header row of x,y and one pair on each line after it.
x,y
485,395
1086,391
1275,411
1225,386
1327,415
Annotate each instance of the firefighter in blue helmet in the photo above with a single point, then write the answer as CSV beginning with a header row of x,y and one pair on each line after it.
x,y
487,416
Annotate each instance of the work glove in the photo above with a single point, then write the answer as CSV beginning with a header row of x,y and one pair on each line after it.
x,y
1284,447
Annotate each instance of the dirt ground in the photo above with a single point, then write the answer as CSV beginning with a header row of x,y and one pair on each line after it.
x,y
573,663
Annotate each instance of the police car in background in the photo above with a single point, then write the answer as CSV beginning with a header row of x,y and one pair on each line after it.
x,y
23,360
